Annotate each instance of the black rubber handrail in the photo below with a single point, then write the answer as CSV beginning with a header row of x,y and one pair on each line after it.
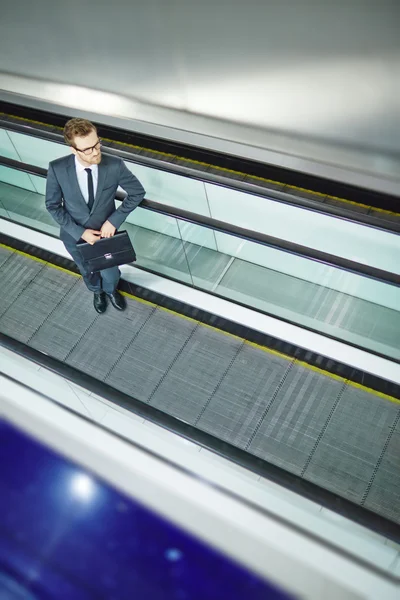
x,y
339,212
246,234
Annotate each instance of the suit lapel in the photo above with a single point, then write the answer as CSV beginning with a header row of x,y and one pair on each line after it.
x,y
76,190
102,172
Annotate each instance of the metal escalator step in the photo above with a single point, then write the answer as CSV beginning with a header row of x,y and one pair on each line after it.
x,y
198,370
106,339
384,494
35,303
241,399
349,450
16,273
295,418
150,354
5,254
68,322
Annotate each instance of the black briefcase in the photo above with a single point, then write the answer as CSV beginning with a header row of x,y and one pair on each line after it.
x,y
108,252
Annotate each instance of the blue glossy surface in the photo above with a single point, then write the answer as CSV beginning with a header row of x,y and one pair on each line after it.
x,y
65,534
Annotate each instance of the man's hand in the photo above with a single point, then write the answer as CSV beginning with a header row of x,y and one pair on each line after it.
x,y
91,236
107,230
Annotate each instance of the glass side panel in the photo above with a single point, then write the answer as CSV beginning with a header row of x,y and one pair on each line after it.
x,y
34,151
335,236
160,186
160,249
16,179
322,232
6,147
171,189
22,203
343,305
346,306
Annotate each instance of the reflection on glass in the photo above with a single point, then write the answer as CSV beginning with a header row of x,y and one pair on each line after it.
x,y
83,487
22,200
158,244
11,589
309,228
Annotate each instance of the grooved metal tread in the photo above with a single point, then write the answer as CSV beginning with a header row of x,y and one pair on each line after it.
x,y
343,438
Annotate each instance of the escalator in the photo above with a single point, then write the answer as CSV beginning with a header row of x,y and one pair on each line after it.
x,y
323,428
291,186
319,426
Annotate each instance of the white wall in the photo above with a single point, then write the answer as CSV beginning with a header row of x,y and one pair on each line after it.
x,y
325,70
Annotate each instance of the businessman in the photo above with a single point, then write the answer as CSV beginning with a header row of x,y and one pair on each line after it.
x,y
80,195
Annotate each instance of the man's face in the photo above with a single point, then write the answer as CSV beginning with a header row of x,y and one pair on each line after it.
x,y
91,145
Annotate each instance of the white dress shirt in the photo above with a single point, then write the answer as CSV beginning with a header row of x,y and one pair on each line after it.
x,y
83,178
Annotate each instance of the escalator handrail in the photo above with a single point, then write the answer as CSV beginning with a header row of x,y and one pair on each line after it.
x,y
281,197
240,232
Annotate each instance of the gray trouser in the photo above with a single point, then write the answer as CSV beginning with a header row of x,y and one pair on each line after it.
x,y
105,280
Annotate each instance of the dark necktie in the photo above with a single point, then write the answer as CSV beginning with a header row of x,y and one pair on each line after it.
x,y
90,188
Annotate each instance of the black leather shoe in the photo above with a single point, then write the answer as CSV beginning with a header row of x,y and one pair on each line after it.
x,y
100,302
117,300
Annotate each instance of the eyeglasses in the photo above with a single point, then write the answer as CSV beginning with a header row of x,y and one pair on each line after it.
x,y
88,151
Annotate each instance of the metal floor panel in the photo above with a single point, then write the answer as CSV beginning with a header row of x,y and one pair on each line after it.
x,y
4,255
35,303
293,421
16,273
340,437
349,449
240,401
99,349
384,494
62,330
151,353
196,374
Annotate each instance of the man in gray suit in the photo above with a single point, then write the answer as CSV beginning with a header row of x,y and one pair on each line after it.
x,y
80,196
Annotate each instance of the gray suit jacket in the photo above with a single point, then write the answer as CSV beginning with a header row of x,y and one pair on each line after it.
x,y
67,206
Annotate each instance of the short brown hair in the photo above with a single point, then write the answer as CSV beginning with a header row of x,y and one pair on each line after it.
x,y
77,128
